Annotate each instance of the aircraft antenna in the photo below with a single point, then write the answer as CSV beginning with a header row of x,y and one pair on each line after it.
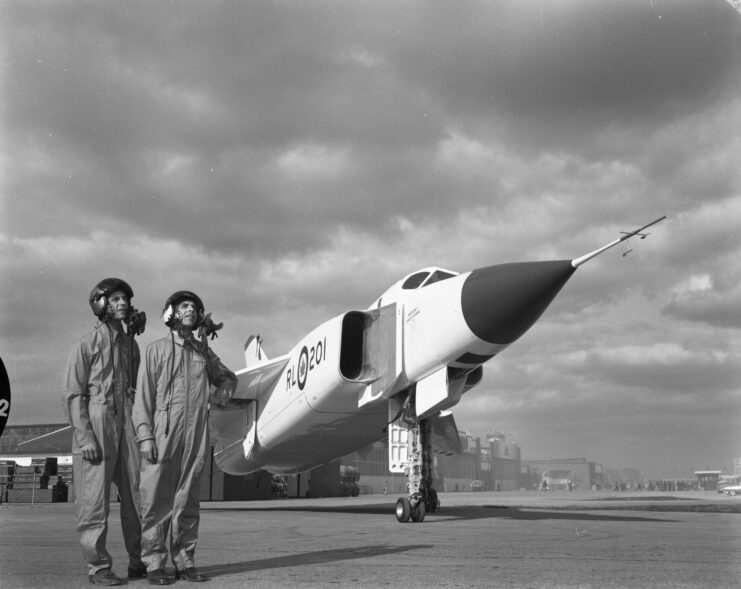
x,y
585,258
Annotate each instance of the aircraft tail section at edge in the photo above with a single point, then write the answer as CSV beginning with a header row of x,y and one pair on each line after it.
x,y
253,352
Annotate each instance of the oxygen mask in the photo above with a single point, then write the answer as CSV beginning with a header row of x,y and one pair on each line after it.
x,y
136,321
208,328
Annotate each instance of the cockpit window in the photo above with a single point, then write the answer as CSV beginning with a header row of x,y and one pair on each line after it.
x,y
414,280
437,276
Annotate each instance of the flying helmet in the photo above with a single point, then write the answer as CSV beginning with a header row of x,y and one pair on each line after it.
x,y
99,295
168,313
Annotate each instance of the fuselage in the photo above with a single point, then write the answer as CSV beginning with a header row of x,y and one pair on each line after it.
x,y
332,396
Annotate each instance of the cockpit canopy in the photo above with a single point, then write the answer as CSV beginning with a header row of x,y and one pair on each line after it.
x,y
418,279
425,278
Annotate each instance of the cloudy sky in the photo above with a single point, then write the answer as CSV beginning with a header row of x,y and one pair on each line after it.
x,y
290,160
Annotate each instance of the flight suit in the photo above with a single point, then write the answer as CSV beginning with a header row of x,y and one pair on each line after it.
x,y
98,407
172,409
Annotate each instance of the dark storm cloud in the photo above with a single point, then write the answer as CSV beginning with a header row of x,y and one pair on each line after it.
x,y
588,64
127,105
690,371
712,310
245,84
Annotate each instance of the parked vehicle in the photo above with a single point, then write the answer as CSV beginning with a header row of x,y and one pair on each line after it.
x,y
731,490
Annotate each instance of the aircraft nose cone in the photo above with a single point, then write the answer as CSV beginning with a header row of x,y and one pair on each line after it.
x,y
502,302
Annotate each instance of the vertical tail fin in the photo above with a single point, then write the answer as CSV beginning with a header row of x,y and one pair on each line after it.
x,y
253,353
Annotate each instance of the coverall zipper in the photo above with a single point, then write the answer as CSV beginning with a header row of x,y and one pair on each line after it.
x,y
186,372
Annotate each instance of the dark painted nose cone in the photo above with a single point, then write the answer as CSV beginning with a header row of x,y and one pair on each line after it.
x,y
502,302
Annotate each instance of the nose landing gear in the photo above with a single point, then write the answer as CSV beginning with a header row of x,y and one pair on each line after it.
x,y
418,468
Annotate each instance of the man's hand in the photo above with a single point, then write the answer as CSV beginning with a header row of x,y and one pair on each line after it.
x,y
223,393
148,449
90,452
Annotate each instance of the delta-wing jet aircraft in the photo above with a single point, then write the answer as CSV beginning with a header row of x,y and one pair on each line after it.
x,y
393,369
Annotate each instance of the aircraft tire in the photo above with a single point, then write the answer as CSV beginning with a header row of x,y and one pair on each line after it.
x,y
433,503
418,512
403,509
732,493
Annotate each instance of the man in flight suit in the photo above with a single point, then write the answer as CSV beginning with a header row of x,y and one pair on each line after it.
x,y
98,401
171,421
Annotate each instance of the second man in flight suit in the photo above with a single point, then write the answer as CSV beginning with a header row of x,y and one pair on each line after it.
x,y
171,421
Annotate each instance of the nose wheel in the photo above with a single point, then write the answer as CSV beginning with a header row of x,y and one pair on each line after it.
x,y
403,509
418,512
406,510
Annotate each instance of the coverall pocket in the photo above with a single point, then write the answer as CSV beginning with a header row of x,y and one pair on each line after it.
x,y
198,368
163,435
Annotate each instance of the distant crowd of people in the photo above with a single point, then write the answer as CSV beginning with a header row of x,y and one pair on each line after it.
x,y
674,486
661,485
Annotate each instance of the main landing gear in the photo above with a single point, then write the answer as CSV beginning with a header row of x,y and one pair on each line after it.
x,y
418,468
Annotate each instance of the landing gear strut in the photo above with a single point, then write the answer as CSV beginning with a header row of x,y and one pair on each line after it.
x,y
418,468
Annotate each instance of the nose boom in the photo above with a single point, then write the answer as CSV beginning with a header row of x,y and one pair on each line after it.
x,y
502,302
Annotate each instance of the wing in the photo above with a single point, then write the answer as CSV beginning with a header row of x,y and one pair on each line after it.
x,y
259,379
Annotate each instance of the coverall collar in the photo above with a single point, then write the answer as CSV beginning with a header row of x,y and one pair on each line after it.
x,y
114,330
191,340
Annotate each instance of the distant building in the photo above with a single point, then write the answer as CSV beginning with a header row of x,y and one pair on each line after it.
x,y
562,473
54,448
708,479
505,463
490,466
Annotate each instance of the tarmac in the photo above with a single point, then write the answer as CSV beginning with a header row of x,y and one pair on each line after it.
x,y
486,539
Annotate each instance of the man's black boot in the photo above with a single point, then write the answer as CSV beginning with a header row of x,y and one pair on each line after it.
x,y
191,574
159,577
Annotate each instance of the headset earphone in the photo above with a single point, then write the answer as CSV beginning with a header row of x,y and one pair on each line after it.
x,y
99,295
168,314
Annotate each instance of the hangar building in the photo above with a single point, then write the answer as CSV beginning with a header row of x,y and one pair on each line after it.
x,y
493,464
